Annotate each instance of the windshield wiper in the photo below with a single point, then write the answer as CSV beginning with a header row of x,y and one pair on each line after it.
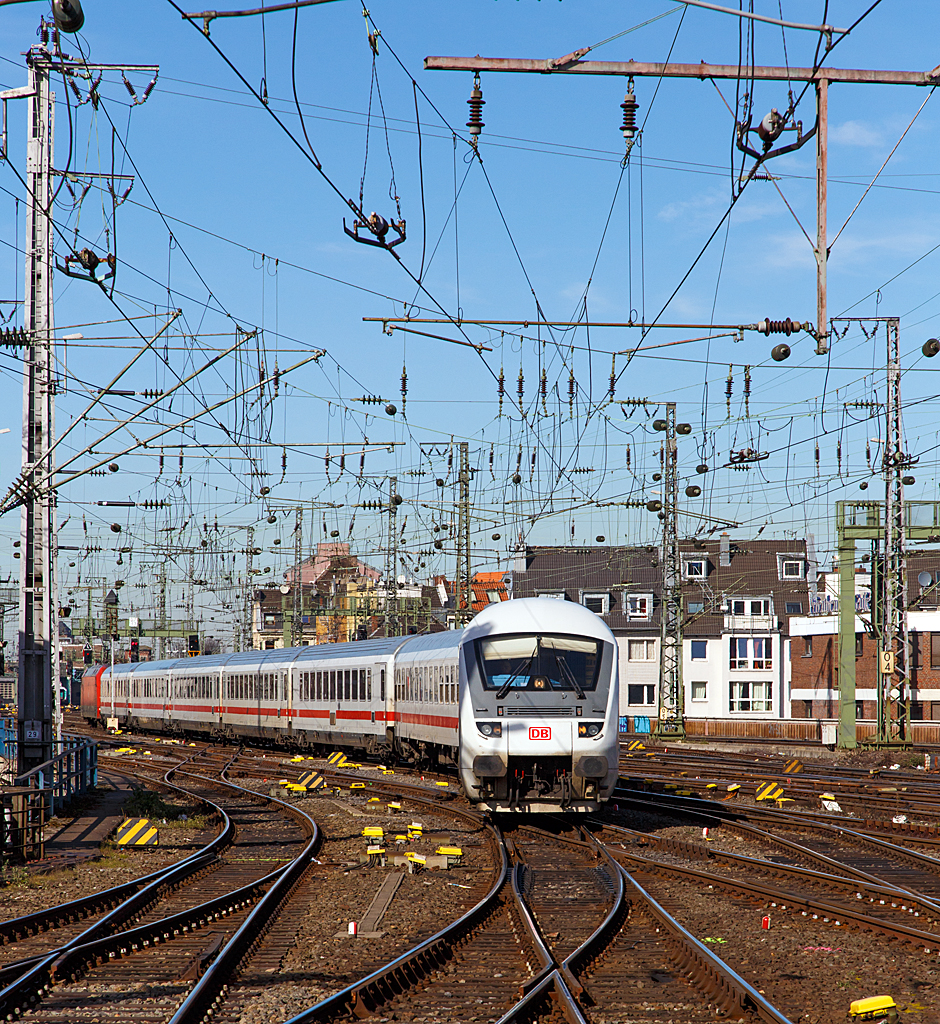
x,y
504,689
563,665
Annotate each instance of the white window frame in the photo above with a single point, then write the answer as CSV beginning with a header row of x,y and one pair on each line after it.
x,y
604,596
638,616
749,662
785,559
649,690
698,682
687,566
742,699
492,596
558,595
692,656
649,647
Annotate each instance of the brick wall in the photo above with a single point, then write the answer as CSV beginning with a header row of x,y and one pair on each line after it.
x,y
820,671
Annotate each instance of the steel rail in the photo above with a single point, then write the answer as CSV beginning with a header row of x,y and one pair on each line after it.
x,y
363,997
721,983
208,992
873,890
782,899
698,805
140,893
90,947
561,978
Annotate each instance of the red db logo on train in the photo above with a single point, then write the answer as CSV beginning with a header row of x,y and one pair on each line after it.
x,y
540,732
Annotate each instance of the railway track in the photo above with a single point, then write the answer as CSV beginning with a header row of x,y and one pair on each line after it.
x,y
588,928
140,961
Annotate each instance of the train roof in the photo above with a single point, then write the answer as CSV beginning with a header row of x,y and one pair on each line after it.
x,y
521,615
448,640
359,650
537,615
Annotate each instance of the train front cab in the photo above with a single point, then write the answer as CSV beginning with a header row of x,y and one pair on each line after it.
x,y
539,709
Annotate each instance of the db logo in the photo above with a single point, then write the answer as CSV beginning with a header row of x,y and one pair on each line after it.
x,y
540,732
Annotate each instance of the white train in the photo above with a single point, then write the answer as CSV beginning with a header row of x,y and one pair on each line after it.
x,y
524,701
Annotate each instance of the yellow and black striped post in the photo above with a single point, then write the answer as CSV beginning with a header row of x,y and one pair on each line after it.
x,y
137,832
313,781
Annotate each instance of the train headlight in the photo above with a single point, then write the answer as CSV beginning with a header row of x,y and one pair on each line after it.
x,y
490,728
589,728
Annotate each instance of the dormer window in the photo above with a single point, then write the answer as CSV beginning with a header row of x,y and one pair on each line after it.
x,y
639,607
791,567
696,568
597,603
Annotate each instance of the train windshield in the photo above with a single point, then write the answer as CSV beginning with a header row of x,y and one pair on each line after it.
x,y
541,662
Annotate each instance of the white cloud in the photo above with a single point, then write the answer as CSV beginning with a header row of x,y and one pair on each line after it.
x,y
856,133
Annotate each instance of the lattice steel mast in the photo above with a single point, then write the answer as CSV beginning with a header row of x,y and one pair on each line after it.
x,y
894,658
671,697
391,559
38,639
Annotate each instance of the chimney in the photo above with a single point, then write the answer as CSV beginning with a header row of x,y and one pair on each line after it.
x,y
724,552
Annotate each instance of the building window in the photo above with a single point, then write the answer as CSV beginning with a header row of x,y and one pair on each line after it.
x,y
794,607
860,709
699,690
750,652
640,693
696,607
792,569
807,647
641,650
808,708
745,606
750,696
639,606
597,603
559,595
492,596
935,650
695,568
859,645
699,650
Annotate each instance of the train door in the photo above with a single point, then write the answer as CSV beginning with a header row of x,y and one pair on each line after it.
x,y
286,708
385,674
167,682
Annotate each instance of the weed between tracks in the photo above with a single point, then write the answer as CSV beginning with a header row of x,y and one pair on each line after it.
x,y
15,876
145,803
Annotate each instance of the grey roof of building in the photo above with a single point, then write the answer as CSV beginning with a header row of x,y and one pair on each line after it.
x,y
753,571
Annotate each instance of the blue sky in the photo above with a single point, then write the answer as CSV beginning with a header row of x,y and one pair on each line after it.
x,y
258,243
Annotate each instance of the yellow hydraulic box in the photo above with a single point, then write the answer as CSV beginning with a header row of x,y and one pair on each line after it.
x,y
874,1009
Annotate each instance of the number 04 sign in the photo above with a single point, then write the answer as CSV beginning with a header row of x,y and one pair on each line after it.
x,y
886,662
